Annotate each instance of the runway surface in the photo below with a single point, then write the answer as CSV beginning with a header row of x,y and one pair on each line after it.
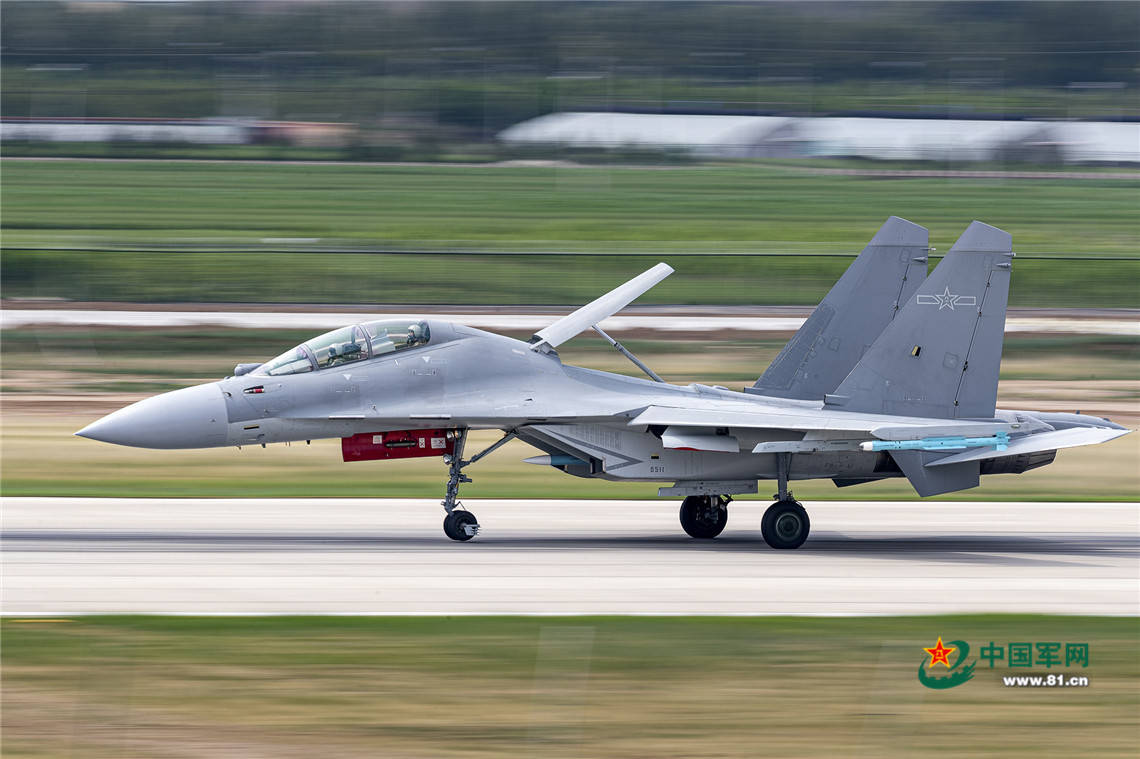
x,y
64,556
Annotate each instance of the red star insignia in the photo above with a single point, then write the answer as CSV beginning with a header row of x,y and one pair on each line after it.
x,y
939,653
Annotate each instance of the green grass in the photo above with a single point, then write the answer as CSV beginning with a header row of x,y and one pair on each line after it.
x,y
54,212
583,686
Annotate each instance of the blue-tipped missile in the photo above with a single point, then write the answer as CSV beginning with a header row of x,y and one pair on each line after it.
x,y
999,442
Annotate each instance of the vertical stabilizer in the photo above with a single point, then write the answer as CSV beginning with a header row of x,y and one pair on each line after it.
x,y
845,323
940,356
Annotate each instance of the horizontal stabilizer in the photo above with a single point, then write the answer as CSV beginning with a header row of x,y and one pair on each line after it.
x,y
1042,441
596,311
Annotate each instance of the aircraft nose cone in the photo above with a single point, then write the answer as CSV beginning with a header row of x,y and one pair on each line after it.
x,y
194,417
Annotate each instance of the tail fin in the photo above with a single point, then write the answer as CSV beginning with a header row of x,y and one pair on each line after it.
x,y
845,323
940,357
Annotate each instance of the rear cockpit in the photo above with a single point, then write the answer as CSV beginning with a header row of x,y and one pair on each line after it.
x,y
348,345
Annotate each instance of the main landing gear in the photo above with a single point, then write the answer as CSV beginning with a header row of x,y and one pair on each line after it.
x,y
785,523
460,524
704,516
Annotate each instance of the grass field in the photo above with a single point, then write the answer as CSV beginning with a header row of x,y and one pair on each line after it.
x,y
576,686
53,211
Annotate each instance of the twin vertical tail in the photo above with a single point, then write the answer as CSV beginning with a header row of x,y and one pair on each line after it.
x,y
846,322
940,357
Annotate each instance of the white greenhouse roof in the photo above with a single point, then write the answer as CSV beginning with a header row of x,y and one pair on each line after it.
x,y
879,138
615,130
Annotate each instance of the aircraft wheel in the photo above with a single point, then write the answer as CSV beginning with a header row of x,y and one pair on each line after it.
x,y
704,516
456,523
785,525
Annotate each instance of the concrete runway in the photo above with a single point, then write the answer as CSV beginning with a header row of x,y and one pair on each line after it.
x,y
64,556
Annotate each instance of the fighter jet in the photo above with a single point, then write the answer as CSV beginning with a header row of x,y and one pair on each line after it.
x,y
894,374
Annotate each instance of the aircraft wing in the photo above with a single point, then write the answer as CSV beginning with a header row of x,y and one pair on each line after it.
x,y
1041,441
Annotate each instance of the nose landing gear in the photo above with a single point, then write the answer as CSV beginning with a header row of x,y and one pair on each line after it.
x,y
460,524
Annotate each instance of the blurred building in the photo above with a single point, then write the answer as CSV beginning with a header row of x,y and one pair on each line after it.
x,y
63,129
177,131
887,139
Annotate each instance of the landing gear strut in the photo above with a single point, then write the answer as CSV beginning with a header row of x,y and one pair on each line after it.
x,y
460,524
704,516
785,523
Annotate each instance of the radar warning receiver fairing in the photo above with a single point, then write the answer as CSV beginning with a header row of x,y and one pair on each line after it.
x,y
894,374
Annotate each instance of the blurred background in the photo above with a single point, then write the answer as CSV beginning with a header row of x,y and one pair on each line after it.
x,y
456,81
187,186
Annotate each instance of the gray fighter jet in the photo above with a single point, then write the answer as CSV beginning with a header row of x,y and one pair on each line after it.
x,y
894,374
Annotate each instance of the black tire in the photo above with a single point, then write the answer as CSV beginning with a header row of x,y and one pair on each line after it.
x,y
785,525
703,516
454,523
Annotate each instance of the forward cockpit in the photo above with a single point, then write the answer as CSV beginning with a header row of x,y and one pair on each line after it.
x,y
347,345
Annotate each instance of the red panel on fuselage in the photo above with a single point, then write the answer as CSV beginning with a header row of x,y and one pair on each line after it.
x,y
402,444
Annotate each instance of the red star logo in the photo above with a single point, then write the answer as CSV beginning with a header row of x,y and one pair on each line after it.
x,y
939,653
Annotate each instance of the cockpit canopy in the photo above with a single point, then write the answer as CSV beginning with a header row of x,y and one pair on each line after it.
x,y
349,344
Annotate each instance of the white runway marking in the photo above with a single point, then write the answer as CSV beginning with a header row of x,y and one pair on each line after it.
x,y
389,556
